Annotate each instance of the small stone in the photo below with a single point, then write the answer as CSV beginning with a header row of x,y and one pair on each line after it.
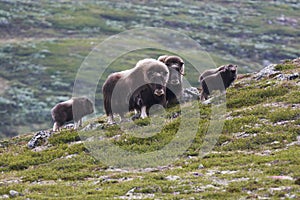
x,y
172,178
197,174
293,76
5,196
69,126
200,166
267,152
130,192
290,196
281,177
275,142
225,143
13,193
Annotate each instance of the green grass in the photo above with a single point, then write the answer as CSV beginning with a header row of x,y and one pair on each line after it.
x,y
237,167
257,142
282,67
284,114
248,97
45,43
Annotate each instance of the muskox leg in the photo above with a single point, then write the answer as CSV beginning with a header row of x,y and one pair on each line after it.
x,y
136,115
203,96
136,112
143,112
111,120
77,124
55,127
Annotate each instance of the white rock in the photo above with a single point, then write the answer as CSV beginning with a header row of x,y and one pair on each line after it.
x,y
172,178
130,192
200,166
5,196
13,193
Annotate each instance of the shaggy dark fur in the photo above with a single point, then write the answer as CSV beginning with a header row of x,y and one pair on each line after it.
x,y
218,81
73,109
130,89
145,97
174,86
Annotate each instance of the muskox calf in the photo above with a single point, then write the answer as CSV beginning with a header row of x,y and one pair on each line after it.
x,y
135,89
210,72
174,86
148,95
218,81
73,109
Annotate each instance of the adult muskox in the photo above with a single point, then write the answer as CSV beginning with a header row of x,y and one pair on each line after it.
x,y
73,109
218,81
174,86
135,89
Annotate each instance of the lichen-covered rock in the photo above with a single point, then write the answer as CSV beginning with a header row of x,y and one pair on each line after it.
x,y
267,72
190,94
14,193
287,77
38,138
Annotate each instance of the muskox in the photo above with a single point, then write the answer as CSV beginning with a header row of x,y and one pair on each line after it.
x,y
174,86
218,81
135,89
210,72
73,109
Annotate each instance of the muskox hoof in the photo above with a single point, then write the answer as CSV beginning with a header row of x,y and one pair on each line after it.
x,y
111,123
207,102
175,115
136,116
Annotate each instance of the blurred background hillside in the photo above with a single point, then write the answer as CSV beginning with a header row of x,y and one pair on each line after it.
x,y
43,43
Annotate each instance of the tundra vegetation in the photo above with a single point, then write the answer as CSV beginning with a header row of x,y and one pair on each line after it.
x,y
256,156
43,43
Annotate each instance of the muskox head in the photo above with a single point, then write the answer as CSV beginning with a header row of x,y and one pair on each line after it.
x,y
229,74
157,77
176,68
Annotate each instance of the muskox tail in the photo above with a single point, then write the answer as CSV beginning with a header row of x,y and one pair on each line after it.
x,y
107,89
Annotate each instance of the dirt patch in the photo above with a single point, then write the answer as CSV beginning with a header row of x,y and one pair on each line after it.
x,y
3,85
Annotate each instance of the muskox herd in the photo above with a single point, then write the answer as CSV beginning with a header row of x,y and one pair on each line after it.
x,y
148,83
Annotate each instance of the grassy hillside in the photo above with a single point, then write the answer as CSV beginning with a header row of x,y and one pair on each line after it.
x,y
43,43
256,156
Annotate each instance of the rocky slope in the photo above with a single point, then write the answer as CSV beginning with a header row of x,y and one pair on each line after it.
x,y
43,43
256,156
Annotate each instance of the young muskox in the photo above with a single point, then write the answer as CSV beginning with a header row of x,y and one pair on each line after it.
x,y
144,97
218,81
135,89
210,72
73,109
174,86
